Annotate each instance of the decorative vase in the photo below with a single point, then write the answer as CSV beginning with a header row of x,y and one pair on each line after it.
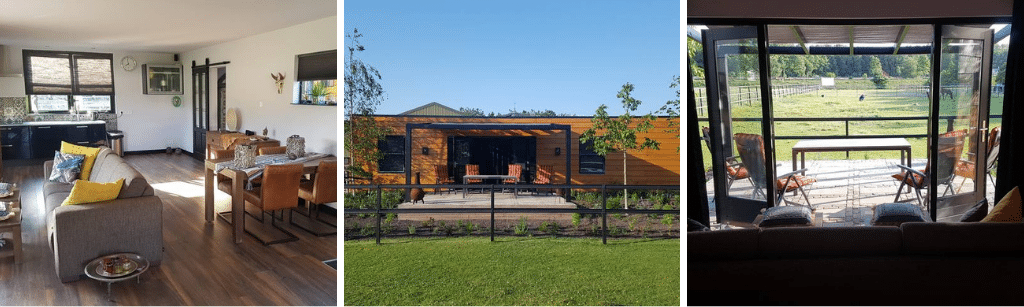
x,y
245,155
296,147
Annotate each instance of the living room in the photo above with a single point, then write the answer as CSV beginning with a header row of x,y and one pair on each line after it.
x,y
129,107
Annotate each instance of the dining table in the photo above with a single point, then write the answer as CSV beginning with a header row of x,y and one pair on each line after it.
x,y
466,178
241,176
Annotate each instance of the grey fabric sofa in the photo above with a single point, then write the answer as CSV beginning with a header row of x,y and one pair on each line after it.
x,y
132,223
914,264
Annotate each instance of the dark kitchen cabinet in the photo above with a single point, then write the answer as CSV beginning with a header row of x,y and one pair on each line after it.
x,y
16,142
46,140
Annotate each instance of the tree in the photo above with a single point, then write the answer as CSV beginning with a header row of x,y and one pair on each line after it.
x,y
695,55
472,111
620,134
362,95
671,109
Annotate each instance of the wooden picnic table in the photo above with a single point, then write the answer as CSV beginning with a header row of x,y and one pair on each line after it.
x,y
866,144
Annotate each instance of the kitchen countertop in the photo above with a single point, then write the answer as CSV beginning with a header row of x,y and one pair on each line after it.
x,y
55,123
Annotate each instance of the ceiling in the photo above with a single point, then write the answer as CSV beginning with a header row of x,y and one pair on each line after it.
x,y
148,25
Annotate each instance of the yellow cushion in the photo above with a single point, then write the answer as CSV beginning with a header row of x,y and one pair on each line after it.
x,y
1007,210
85,192
90,154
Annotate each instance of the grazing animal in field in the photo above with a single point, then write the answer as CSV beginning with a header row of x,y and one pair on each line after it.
x,y
946,92
861,97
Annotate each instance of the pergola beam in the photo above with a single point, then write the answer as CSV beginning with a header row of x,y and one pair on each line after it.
x,y
849,30
801,39
900,37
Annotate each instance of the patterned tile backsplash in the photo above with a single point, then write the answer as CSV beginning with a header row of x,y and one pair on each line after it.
x,y
14,110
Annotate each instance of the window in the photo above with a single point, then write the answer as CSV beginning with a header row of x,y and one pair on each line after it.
x,y
392,150
590,162
59,81
317,78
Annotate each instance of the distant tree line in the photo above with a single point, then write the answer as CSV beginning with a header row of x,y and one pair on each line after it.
x,y
513,113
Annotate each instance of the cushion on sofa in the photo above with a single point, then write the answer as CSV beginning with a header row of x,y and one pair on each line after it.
x,y
66,167
86,192
1008,209
89,153
965,238
114,168
786,216
894,214
829,241
722,244
977,213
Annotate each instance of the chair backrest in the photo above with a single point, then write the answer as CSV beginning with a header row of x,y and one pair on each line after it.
x,y
280,187
325,182
472,169
441,173
951,146
751,150
275,150
543,174
222,153
994,136
514,170
706,132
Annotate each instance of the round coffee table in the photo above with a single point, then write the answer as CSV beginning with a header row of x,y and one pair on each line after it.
x,y
91,270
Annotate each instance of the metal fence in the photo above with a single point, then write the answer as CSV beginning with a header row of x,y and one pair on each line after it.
x,y
379,212
747,95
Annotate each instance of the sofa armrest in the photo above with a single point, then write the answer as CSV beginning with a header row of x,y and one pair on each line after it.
x,y
81,233
47,168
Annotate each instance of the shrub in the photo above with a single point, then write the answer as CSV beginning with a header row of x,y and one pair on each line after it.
x,y
594,229
576,217
543,227
461,224
521,226
435,230
632,223
390,218
668,219
470,227
428,223
614,231
553,228
368,230
449,229
412,229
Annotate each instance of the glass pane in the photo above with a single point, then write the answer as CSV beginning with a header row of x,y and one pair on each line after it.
x,y
98,103
49,103
94,76
738,75
959,99
50,75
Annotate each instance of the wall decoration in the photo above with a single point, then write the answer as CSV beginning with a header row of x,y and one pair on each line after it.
x,y
231,119
176,101
279,80
161,79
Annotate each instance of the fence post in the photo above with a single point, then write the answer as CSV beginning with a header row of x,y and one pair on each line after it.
x,y
847,134
604,215
378,214
492,212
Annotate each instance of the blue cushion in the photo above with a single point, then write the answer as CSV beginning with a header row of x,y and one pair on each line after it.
x,y
786,216
66,167
894,214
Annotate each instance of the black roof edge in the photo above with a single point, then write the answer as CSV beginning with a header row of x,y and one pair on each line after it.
x,y
496,117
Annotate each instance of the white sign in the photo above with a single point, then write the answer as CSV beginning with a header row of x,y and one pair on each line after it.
x,y
828,81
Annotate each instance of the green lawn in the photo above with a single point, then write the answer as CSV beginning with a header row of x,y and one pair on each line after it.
x,y
512,271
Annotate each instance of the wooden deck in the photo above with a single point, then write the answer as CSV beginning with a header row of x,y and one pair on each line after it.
x,y
848,190
201,266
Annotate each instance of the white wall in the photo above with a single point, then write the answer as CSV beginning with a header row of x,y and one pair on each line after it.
x,y
251,90
145,122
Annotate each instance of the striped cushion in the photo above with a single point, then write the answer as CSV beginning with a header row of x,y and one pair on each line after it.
x,y
796,181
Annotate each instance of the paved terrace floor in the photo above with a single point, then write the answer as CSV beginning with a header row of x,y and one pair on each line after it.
x,y
475,199
847,190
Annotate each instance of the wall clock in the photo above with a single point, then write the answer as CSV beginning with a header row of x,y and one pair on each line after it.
x,y
128,63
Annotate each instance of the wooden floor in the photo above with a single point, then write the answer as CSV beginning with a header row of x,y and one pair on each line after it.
x,y
201,266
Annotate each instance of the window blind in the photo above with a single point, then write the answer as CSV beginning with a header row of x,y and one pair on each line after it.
x,y
317,66
68,73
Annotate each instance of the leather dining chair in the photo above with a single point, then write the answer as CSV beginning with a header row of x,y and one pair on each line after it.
x,y
275,150
280,190
223,181
321,190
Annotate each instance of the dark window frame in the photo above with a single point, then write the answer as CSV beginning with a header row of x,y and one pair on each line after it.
x,y
75,91
311,71
398,152
585,151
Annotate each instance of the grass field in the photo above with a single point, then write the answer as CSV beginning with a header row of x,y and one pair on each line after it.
x,y
512,271
845,103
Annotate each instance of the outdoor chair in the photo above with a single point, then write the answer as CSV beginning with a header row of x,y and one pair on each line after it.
x,y
517,171
442,177
751,150
951,145
732,166
473,169
543,177
965,168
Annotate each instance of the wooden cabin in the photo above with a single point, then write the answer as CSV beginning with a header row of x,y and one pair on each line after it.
x,y
470,140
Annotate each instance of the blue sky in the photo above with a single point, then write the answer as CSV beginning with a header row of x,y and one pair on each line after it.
x,y
566,56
